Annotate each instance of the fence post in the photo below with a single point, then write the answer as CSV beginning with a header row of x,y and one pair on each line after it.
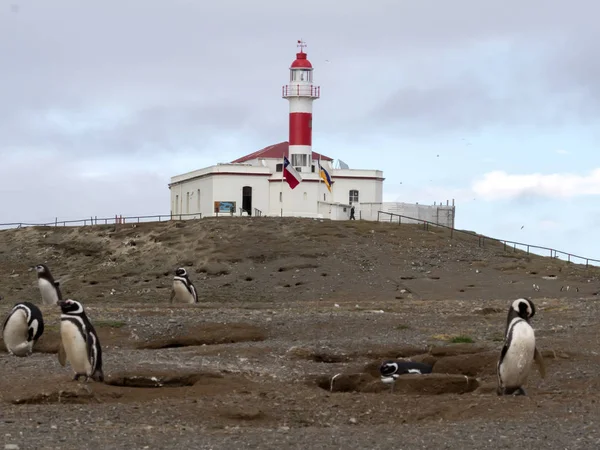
x,y
56,222
504,245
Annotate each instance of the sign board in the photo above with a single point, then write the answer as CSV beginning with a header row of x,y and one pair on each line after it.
x,y
224,207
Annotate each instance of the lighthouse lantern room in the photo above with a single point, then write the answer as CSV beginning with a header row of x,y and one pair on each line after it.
x,y
300,92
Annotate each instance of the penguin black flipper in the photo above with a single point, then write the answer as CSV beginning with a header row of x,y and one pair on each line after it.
x,y
58,292
539,360
94,352
192,290
62,355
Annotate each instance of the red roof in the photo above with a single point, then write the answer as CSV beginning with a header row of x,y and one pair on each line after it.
x,y
301,61
277,151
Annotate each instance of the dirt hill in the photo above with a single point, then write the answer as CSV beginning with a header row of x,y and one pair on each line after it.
x,y
268,259
283,350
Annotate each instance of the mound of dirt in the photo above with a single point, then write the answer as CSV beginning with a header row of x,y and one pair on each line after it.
x,y
413,384
208,334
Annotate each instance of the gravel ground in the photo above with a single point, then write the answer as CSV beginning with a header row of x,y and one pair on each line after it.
x,y
251,364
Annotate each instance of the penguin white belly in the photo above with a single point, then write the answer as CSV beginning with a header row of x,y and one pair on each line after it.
x,y
518,360
75,348
15,334
48,291
181,292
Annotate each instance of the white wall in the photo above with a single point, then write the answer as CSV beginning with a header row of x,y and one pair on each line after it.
x,y
440,214
229,188
299,201
222,182
369,191
193,188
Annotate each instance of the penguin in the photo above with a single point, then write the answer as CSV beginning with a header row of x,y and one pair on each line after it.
x,y
22,328
79,342
49,288
519,351
390,371
183,289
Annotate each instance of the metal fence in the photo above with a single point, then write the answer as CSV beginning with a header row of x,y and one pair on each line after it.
x,y
481,239
118,219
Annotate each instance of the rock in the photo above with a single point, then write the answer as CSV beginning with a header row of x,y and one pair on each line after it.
x,y
11,447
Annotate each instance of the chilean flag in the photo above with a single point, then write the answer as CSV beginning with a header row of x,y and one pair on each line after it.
x,y
292,177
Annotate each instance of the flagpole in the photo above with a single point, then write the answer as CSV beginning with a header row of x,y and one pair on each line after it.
x,y
281,188
319,186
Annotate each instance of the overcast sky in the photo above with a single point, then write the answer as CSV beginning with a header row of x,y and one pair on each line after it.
x,y
102,102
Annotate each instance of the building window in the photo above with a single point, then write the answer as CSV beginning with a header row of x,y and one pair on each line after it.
x,y
313,168
198,200
353,196
176,209
324,197
280,197
299,160
279,167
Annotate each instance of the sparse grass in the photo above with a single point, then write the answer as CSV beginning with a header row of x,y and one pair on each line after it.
x,y
109,324
462,340
402,326
498,337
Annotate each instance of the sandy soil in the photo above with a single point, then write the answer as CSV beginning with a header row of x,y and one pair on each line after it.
x,y
286,304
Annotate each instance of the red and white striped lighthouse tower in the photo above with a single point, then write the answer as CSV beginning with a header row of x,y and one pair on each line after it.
x,y
301,93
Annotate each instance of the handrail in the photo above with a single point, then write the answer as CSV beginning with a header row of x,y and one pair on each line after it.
x,y
102,220
553,252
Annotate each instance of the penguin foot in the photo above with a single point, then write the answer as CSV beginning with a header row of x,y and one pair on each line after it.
x,y
520,391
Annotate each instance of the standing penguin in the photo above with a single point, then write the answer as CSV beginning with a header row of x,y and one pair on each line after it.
x,y
79,342
22,328
519,350
183,289
49,288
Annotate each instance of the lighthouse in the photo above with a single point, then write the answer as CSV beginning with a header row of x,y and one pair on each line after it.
x,y
300,92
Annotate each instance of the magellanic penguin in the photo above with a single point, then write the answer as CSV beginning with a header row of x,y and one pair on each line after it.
x,y
49,288
519,351
390,371
22,328
79,342
183,289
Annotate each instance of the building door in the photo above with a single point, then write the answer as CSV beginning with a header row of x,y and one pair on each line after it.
x,y
247,199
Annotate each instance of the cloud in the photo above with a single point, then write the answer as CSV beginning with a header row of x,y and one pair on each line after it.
x,y
70,190
562,152
499,185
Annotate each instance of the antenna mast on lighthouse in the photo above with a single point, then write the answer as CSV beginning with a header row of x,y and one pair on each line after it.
x,y
300,92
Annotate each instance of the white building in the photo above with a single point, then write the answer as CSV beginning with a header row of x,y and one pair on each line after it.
x,y
254,184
